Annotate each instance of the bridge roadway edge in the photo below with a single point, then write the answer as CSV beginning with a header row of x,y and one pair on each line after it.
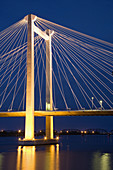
x,y
60,113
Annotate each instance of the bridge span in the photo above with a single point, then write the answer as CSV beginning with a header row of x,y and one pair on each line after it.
x,y
60,113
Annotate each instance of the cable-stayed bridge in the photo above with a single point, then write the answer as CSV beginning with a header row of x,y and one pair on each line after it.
x,y
50,70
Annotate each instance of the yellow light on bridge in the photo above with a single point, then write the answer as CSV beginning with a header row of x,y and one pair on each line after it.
x,y
19,148
19,138
82,131
2,130
45,138
85,131
67,131
40,131
57,137
47,106
93,131
19,131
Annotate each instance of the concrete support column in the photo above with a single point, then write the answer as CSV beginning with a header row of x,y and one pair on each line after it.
x,y
29,120
49,127
49,99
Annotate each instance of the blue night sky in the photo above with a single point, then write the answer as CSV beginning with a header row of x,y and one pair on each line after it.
x,y
92,17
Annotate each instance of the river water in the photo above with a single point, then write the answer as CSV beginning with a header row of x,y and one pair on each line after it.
x,y
72,153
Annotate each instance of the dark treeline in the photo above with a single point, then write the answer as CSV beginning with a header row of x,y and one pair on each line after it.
x,y
20,133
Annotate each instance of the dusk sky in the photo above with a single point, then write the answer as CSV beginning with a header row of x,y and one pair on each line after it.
x,y
92,17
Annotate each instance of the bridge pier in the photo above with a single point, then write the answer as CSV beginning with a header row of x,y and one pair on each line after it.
x,y
49,127
49,99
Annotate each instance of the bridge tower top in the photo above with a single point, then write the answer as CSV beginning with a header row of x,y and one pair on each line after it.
x,y
33,17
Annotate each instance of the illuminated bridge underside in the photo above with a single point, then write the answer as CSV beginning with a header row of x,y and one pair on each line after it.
x,y
60,113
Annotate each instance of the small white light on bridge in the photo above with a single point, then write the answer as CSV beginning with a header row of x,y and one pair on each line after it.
x,y
9,110
57,137
45,137
55,108
19,131
92,101
100,103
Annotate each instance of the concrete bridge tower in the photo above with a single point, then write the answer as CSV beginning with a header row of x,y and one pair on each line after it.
x,y
29,120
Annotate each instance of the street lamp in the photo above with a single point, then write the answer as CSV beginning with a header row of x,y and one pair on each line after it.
x,y
92,101
101,104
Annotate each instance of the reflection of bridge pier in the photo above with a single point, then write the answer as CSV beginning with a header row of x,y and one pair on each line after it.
x,y
28,158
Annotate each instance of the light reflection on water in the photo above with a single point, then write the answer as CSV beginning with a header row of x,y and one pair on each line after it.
x,y
101,161
26,157
73,153
29,159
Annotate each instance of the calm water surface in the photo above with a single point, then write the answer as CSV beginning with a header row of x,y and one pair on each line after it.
x,y
72,153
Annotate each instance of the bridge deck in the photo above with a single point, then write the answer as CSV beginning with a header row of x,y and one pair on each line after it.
x,y
60,113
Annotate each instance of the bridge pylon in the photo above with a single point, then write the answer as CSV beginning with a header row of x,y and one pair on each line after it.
x,y
49,99
29,120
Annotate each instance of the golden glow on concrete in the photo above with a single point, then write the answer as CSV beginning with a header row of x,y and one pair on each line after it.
x,y
60,113
49,127
29,121
29,129
75,113
49,99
